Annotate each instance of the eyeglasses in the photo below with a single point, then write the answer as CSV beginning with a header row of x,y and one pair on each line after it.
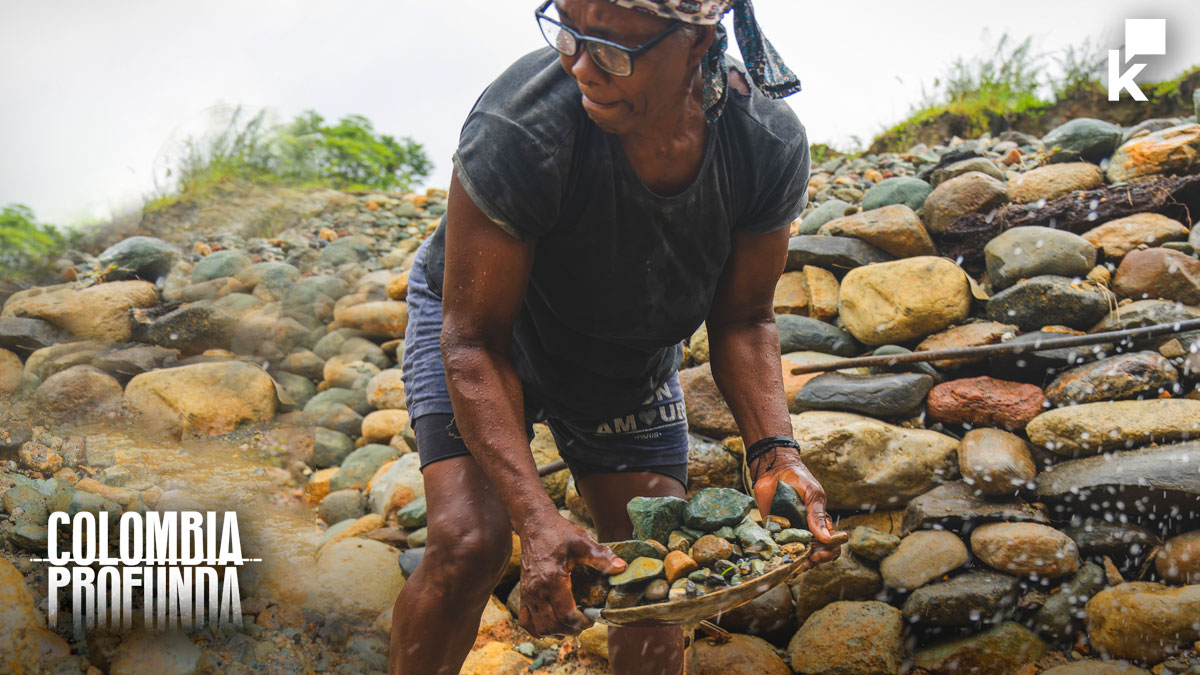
x,y
611,57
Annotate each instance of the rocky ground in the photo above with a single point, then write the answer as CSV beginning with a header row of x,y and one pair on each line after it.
x,y
1025,514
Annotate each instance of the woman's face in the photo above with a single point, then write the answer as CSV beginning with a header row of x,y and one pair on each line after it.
x,y
658,86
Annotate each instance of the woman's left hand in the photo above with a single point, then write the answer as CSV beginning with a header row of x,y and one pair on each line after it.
x,y
788,468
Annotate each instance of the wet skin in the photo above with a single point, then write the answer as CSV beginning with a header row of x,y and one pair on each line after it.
x,y
473,501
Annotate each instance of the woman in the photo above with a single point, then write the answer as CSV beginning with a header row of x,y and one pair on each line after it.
x,y
609,196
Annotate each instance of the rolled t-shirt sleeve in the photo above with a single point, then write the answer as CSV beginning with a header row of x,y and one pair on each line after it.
x,y
784,193
509,174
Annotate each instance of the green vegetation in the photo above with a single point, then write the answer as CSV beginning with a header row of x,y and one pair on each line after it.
x,y
348,155
28,249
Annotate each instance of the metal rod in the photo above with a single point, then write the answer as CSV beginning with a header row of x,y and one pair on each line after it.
x,y
1004,348
552,467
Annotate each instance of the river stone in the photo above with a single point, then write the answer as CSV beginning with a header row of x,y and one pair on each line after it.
x,y
1083,138
19,648
1120,541
713,508
1026,252
1136,375
801,333
191,329
894,229
361,465
834,208
11,371
346,250
380,319
1092,428
872,544
736,654
170,653
1063,612
1117,238
973,334
710,465
28,335
356,400
631,549
641,569
910,192
135,360
101,312
903,300
1025,549
875,395
839,253
969,193
342,505
138,257
80,394
707,411
811,291
999,650
1159,273
996,462
372,566
1143,621
862,461
984,401
772,613
1170,151
954,170
957,505
330,447
220,264
851,638
1178,562
966,600
203,399
385,391
299,390
396,484
1148,313
1048,300
846,578
922,557
655,517
1056,180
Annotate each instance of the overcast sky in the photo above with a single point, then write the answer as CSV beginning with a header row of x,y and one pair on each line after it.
x,y
97,96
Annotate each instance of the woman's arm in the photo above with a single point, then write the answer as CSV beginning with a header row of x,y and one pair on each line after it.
x,y
487,271
745,359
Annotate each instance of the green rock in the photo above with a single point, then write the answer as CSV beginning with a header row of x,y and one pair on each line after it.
x,y
908,191
1061,616
693,533
754,537
141,257
830,210
361,465
413,514
713,508
25,504
803,334
633,549
794,535
872,544
699,576
787,503
219,265
641,569
418,538
330,448
725,533
30,537
655,517
1083,138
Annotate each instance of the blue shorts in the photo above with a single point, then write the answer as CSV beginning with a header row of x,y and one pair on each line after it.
x,y
651,437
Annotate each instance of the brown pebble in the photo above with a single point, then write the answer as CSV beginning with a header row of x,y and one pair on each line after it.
x,y
657,590
679,564
710,548
784,523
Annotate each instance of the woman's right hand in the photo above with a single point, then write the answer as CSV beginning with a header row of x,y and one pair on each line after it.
x,y
551,547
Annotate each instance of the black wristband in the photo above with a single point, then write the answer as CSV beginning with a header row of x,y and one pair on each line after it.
x,y
761,447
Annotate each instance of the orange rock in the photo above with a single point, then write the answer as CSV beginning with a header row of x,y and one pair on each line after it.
x,y
397,288
318,485
791,297
327,234
678,565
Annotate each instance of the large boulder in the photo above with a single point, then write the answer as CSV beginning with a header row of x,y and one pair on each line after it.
x,y
1170,151
1050,300
862,462
1137,375
895,229
202,399
1093,428
1143,621
101,311
1026,252
903,300
969,193
850,638
1054,181
1146,479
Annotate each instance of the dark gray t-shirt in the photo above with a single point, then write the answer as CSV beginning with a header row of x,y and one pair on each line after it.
x,y
621,275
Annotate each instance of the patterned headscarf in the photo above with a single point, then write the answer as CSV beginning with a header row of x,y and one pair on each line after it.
x,y
767,70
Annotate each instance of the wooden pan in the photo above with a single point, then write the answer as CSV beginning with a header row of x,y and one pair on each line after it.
x,y
695,610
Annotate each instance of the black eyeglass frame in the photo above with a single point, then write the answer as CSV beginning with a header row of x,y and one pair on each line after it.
x,y
584,40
